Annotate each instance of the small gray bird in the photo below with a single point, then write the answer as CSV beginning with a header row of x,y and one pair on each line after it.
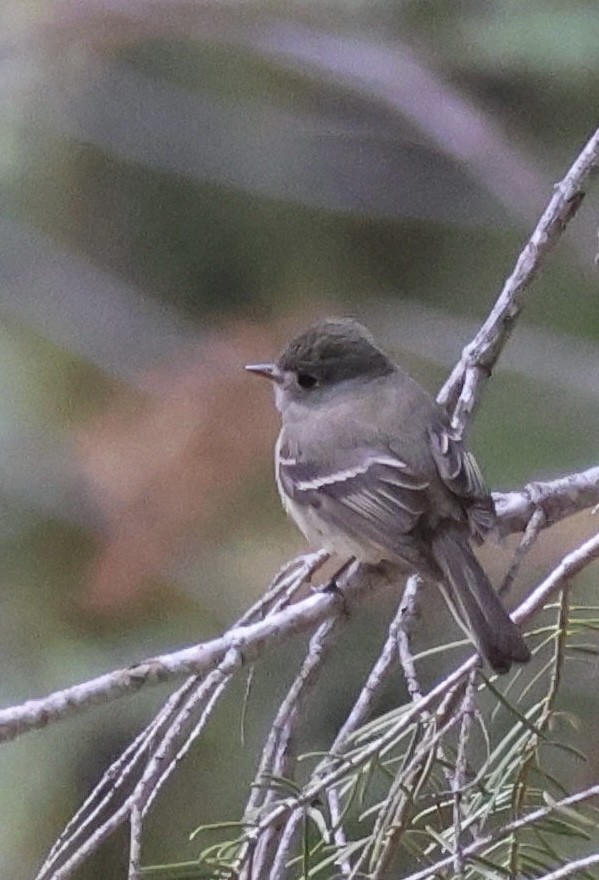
x,y
368,467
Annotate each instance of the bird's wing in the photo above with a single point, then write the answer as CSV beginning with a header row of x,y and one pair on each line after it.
x,y
371,495
461,474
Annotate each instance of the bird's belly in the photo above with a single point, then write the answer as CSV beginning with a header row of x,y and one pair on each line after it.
x,y
320,534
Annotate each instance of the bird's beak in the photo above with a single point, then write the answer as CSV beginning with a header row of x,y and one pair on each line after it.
x,y
269,371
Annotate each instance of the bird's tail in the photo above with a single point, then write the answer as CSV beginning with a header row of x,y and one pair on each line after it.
x,y
475,604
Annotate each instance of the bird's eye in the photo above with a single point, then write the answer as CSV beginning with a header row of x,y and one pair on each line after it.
x,y
305,380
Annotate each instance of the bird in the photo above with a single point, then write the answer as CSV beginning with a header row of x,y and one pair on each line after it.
x,y
369,468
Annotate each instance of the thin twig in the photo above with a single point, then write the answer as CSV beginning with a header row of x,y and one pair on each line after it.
x,y
573,868
407,611
339,836
466,713
373,685
392,819
113,781
529,751
283,853
171,750
360,712
275,757
510,828
564,571
136,828
407,784
461,393
96,838
531,533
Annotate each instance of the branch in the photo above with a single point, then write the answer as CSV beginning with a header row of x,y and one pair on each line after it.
x,y
525,822
250,640
462,391
575,867
559,578
458,782
570,566
558,499
277,754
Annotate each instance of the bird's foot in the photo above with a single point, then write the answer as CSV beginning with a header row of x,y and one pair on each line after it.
x,y
332,585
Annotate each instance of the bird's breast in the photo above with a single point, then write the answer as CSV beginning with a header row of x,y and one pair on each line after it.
x,y
315,526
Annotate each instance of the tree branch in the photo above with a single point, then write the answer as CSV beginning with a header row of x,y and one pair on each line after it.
x,y
462,391
558,499
504,833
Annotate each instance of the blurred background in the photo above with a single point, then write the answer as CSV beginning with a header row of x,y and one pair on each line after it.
x,y
184,185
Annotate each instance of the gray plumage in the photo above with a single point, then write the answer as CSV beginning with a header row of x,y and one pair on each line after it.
x,y
367,466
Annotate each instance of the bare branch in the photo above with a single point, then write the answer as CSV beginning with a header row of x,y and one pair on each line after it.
x,y
557,499
250,640
569,566
369,693
573,868
360,712
406,784
106,794
467,710
407,610
275,757
169,752
339,837
529,751
531,533
279,864
461,392
136,825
